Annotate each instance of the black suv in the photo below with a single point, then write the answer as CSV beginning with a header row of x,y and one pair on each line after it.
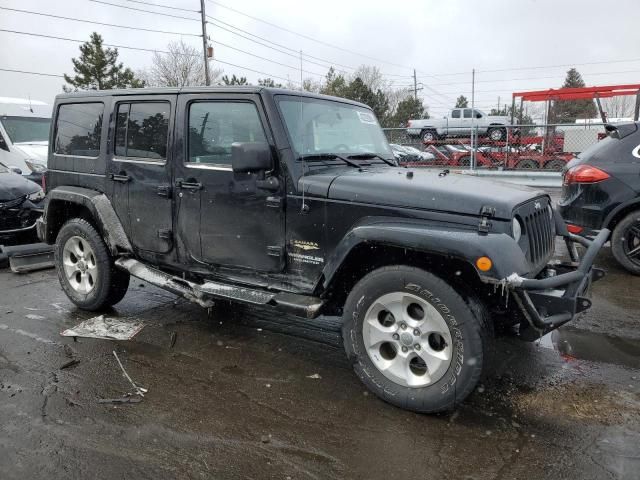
x,y
292,201
601,189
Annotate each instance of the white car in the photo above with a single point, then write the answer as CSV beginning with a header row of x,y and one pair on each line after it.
x,y
24,135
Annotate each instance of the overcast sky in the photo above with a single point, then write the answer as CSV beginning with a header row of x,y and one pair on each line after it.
x,y
442,40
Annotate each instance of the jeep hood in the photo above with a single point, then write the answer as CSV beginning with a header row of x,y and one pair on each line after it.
x,y
426,190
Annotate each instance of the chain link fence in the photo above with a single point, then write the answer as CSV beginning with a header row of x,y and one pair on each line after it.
x,y
501,147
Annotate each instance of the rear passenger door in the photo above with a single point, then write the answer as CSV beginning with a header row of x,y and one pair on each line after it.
x,y
140,169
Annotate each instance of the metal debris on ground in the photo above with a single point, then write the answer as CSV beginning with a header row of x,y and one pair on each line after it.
x,y
120,400
70,363
105,327
172,342
139,390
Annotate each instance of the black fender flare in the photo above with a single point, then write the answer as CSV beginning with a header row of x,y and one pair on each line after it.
x,y
635,202
100,208
468,245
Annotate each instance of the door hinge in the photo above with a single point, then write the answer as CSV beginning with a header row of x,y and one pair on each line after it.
x,y
164,233
275,251
274,202
486,213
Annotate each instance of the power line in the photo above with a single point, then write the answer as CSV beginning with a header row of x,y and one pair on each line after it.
x,y
162,6
604,62
97,23
30,73
322,42
144,11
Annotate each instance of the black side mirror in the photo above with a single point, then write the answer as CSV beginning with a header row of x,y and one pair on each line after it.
x,y
3,144
16,170
478,115
250,157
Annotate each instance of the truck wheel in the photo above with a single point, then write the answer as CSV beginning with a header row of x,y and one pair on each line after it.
x,y
527,164
413,340
429,136
625,242
497,134
465,161
556,165
85,267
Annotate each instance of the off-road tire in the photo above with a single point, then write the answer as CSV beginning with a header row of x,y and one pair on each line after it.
x,y
111,283
619,238
469,326
425,134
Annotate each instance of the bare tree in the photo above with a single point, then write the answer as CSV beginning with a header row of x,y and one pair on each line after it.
x,y
619,107
182,66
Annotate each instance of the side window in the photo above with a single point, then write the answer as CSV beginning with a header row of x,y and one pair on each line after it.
x,y
214,126
467,113
455,114
79,129
141,130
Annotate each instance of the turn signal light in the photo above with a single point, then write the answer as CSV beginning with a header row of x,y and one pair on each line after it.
x,y
575,229
484,264
584,174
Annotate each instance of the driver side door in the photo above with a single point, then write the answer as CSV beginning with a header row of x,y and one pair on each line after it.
x,y
225,218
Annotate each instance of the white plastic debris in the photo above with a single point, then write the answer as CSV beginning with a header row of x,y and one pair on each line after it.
x,y
105,327
315,375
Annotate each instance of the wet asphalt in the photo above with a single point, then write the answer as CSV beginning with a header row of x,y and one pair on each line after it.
x,y
246,394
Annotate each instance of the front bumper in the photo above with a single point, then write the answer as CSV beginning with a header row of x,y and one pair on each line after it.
x,y
19,218
561,291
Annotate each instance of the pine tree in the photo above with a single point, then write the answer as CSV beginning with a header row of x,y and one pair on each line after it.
x,y
462,102
98,69
567,111
234,80
408,109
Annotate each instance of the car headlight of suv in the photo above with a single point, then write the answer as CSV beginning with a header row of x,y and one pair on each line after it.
x,y
37,195
35,167
516,229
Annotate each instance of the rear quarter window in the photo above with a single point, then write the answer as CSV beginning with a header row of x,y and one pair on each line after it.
x,y
79,129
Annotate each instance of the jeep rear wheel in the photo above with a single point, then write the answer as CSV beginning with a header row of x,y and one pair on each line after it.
x,y
85,267
413,340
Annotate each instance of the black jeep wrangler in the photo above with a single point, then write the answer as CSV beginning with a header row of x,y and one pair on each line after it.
x,y
293,201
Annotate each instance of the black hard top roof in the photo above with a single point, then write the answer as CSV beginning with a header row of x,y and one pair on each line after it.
x,y
246,89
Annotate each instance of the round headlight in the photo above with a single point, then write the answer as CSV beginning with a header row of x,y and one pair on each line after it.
x,y
516,229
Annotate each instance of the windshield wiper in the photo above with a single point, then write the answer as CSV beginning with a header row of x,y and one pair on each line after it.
x,y
328,156
368,156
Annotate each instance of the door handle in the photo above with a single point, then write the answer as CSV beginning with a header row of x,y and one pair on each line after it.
x,y
119,178
188,185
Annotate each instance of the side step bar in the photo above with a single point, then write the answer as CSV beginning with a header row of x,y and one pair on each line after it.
x,y
205,293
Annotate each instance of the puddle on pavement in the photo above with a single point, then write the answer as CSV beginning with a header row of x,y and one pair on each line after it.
x,y
595,347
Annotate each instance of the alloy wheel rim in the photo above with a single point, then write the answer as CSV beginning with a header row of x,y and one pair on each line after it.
x,y
631,243
496,135
79,265
407,339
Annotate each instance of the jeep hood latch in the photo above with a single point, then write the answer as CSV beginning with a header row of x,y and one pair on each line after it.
x,y
486,213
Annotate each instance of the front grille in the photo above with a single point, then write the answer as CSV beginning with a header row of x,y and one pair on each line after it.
x,y
538,238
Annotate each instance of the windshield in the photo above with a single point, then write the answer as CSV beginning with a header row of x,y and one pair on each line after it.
x,y
317,126
26,129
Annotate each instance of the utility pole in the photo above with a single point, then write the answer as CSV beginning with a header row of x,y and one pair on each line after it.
x,y
301,80
415,85
473,118
203,16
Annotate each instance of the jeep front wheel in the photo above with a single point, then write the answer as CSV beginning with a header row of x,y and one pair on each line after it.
x,y
413,340
85,267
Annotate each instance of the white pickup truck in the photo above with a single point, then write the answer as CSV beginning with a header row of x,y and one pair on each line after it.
x,y
459,123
